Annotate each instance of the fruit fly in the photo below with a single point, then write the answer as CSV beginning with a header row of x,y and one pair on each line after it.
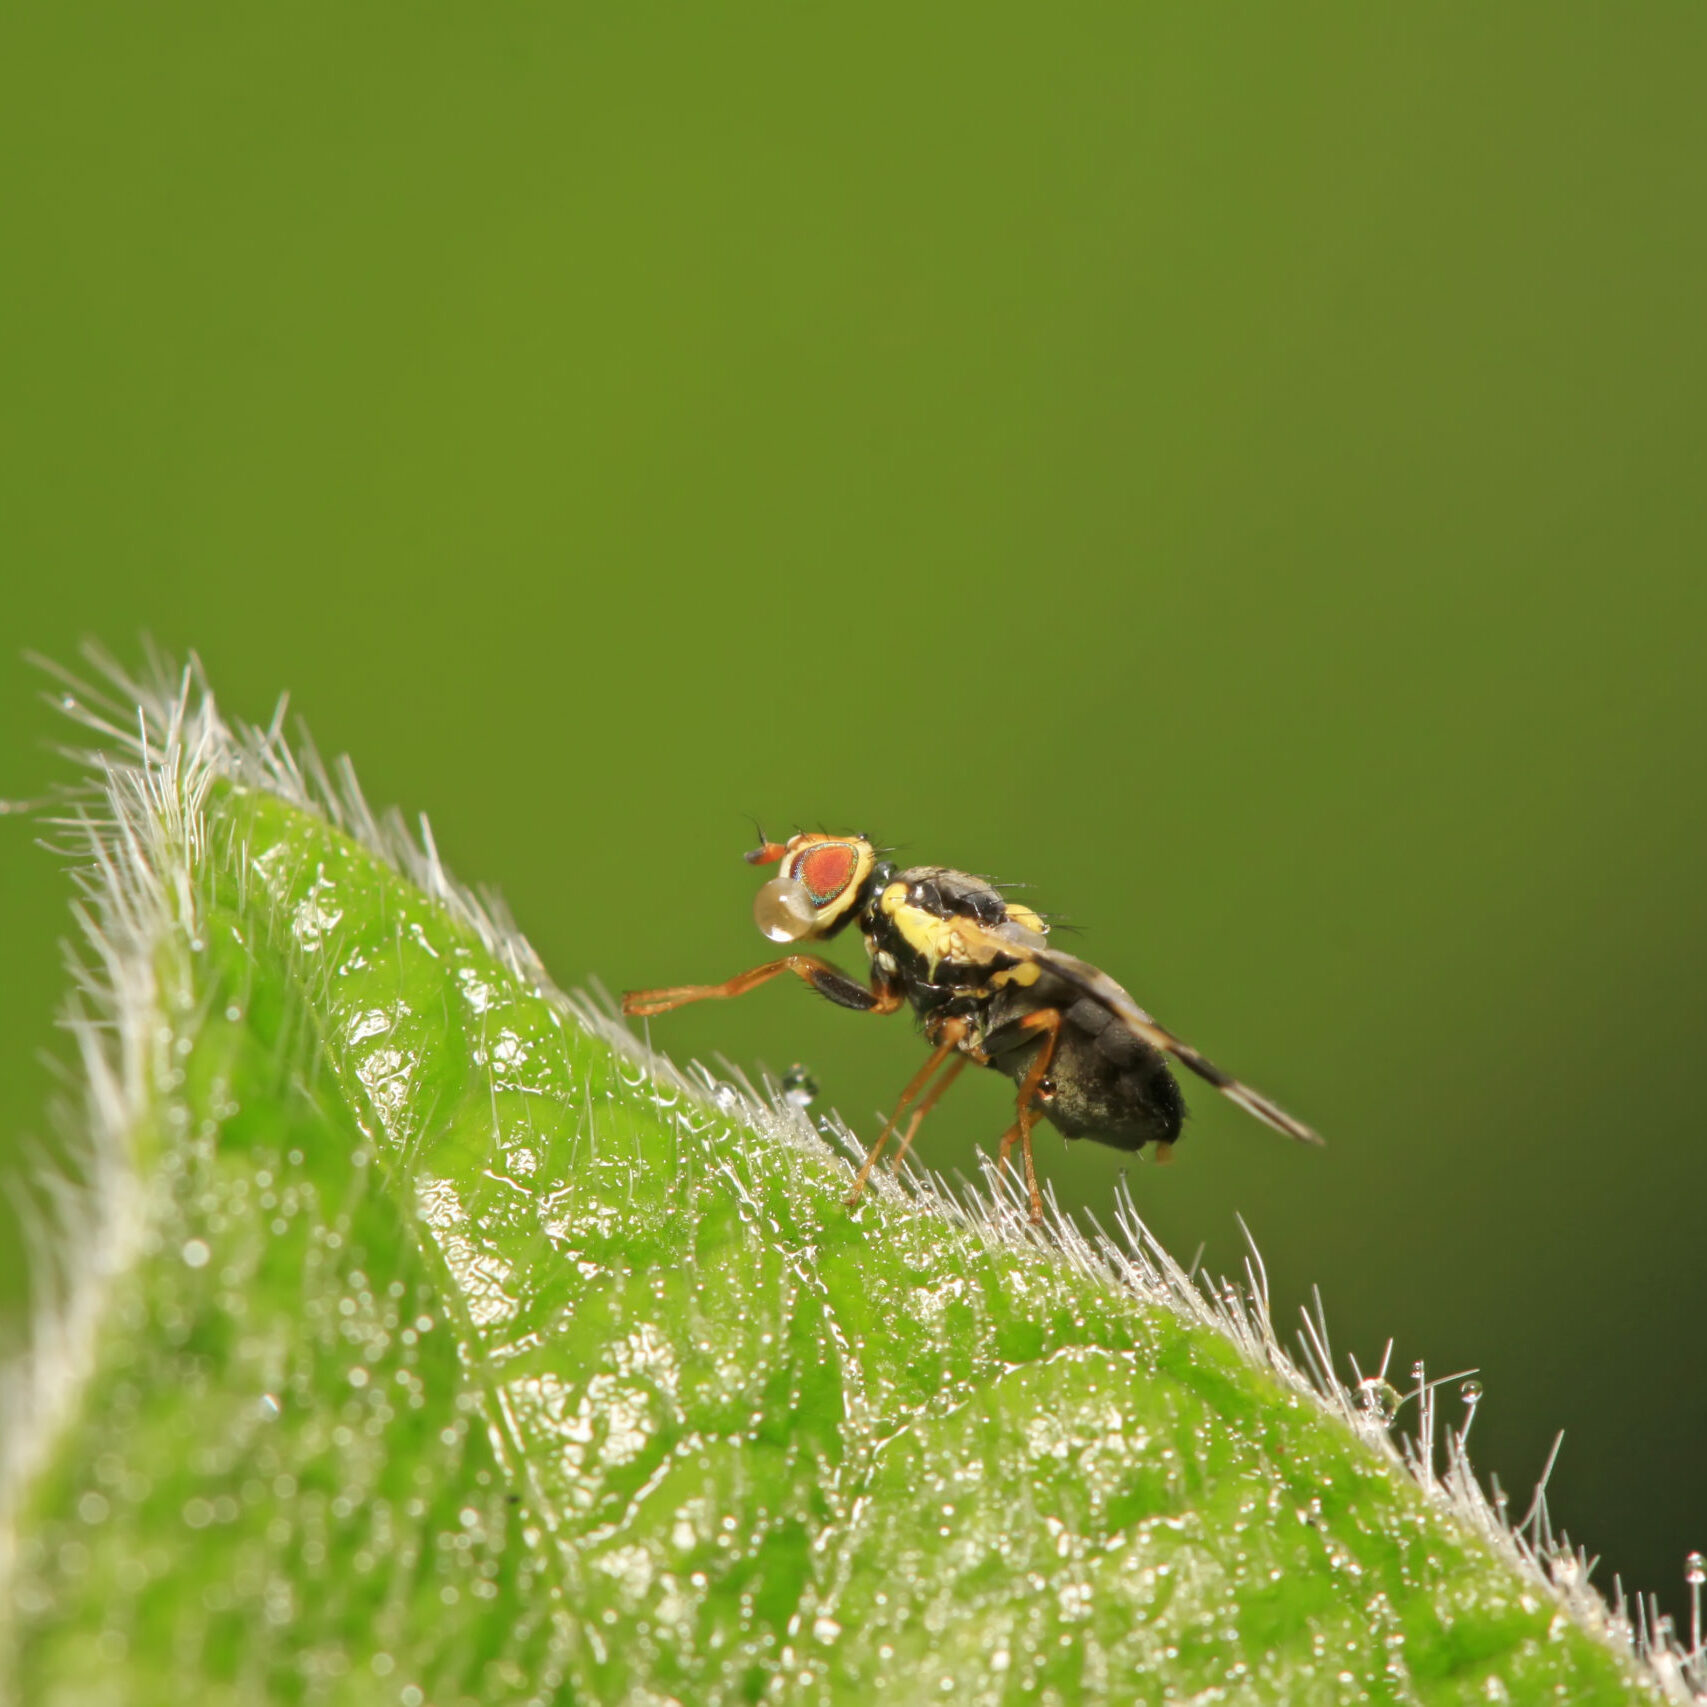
x,y
987,988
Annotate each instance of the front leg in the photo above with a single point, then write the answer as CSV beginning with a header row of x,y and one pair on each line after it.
x,y
827,980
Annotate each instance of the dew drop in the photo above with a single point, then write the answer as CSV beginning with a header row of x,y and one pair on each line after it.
x,y
1379,1399
799,1087
1695,1568
1471,1393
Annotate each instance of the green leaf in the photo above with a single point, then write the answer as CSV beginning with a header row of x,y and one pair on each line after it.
x,y
421,1340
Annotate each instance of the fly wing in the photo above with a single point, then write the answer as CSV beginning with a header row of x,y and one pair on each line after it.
x,y
1092,981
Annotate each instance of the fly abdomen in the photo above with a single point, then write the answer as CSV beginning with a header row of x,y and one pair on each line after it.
x,y
1104,1082
1113,1088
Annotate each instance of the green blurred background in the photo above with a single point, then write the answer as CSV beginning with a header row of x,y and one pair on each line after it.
x,y
1239,473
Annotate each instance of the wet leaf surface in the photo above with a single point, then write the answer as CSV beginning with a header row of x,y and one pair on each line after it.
x,y
461,1360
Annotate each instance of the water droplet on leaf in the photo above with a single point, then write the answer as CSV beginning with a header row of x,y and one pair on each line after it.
x,y
799,1087
1379,1399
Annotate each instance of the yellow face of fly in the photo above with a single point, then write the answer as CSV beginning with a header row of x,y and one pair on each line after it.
x,y
819,884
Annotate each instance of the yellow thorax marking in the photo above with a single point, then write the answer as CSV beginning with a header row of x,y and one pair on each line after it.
x,y
1022,915
962,941
934,940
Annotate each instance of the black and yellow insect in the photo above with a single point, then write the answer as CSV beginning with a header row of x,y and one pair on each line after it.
x,y
987,987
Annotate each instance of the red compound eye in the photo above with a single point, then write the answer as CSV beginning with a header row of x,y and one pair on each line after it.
x,y
826,870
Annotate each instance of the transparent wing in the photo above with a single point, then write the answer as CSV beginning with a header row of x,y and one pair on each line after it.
x,y
1095,983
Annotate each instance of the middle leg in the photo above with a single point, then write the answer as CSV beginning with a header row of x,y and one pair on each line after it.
x,y
950,1073
1026,1113
947,1040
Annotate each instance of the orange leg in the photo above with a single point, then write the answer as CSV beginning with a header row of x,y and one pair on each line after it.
x,y
826,979
1048,1021
952,1072
950,1035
